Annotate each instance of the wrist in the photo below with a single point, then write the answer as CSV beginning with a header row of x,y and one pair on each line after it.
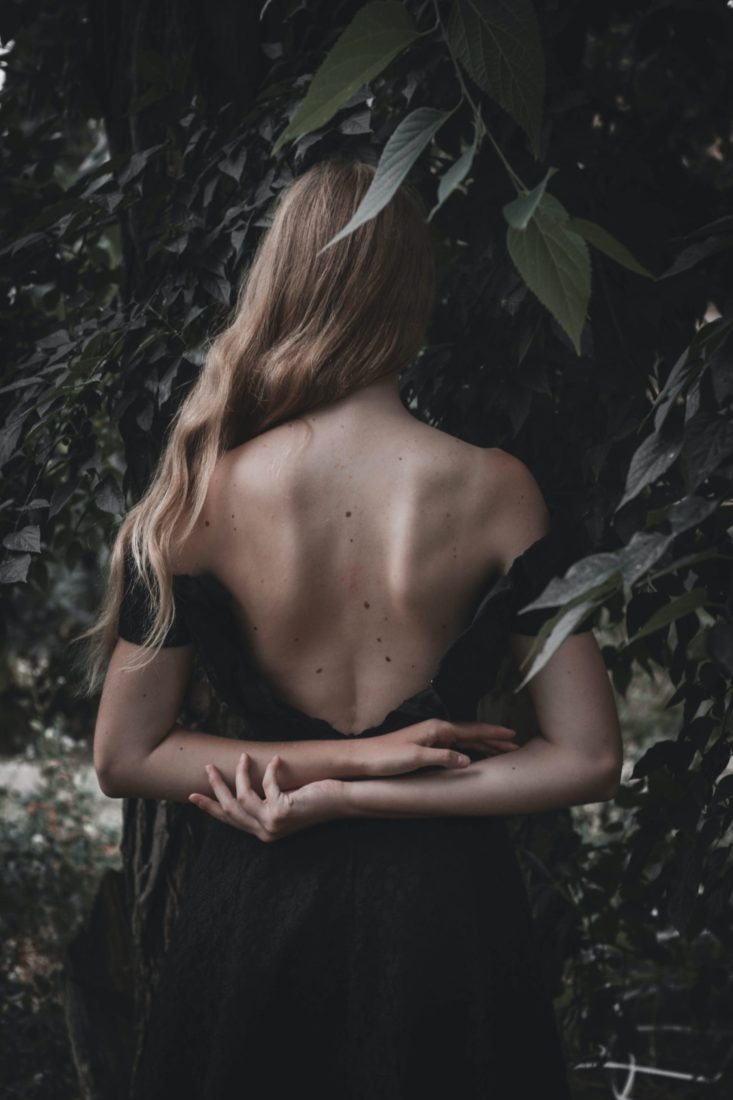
x,y
356,760
347,799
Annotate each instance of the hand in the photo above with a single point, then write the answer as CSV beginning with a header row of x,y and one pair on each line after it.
x,y
279,812
432,743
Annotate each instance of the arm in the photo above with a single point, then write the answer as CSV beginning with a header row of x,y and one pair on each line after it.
x,y
578,756
139,751
576,760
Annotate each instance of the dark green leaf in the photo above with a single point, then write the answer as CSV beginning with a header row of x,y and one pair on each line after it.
x,y
14,569
378,32
554,263
601,239
108,495
520,210
27,539
499,46
398,156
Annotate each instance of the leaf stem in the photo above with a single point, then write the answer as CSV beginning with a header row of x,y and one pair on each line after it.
x,y
481,127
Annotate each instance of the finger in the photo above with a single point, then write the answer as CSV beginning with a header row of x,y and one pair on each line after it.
x,y
492,746
246,794
270,785
209,806
242,820
446,758
220,788
498,733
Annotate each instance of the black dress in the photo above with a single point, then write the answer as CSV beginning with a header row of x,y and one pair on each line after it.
x,y
362,959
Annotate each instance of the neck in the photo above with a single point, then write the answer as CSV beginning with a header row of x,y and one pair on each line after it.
x,y
377,398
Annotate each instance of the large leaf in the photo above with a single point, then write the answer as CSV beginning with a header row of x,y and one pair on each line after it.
x,y
398,156
520,210
555,265
377,33
650,461
605,242
499,46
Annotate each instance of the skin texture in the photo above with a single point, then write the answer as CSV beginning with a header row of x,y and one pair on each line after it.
x,y
355,552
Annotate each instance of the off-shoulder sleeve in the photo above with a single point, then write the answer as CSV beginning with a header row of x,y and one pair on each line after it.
x,y
136,616
545,559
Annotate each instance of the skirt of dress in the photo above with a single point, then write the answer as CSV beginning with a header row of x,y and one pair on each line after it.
x,y
360,959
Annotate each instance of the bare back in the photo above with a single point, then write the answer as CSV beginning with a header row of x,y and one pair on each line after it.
x,y
354,554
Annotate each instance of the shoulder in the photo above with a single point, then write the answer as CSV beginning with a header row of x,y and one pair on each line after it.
x,y
194,546
519,512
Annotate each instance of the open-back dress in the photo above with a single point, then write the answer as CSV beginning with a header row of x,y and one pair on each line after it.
x,y
363,958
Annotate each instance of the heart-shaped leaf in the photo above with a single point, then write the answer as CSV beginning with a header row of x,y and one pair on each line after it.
x,y
554,263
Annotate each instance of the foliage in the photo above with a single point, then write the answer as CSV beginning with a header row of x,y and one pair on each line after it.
x,y
54,847
134,215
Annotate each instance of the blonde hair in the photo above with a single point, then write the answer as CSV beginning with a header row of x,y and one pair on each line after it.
x,y
308,328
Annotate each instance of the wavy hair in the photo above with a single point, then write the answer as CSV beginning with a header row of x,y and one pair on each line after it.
x,y
308,328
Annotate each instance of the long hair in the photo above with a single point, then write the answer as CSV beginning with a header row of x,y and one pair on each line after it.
x,y
308,328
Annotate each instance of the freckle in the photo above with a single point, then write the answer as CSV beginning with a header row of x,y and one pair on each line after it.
x,y
348,513
366,603
319,670
379,639
206,523
412,666
232,515
399,458
351,540
387,658
255,627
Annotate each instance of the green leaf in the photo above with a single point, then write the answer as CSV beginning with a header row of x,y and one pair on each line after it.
x,y
601,239
28,539
555,630
377,33
555,265
14,568
650,460
499,46
398,156
675,609
454,175
108,495
520,210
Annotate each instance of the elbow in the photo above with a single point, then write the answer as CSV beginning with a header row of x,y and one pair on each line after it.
x,y
108,780
607,780
112,776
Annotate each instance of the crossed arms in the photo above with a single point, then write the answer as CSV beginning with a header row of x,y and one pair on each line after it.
x,y
139,751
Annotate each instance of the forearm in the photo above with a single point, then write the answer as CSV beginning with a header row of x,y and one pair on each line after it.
x,y
175,768
538,776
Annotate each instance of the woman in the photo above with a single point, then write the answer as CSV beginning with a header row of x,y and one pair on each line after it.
x,y
353,581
